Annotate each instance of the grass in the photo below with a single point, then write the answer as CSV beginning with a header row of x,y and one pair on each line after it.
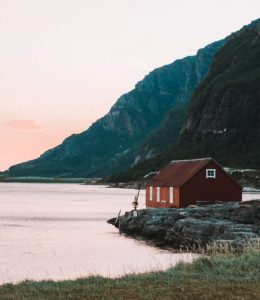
x,y
220,275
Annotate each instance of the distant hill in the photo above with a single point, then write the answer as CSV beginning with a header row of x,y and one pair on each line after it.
x,y
126,135
223,116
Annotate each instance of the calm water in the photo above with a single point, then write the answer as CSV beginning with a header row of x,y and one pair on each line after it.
x,y
59,231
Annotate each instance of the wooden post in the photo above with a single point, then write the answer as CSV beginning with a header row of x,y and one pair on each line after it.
x,y
117,219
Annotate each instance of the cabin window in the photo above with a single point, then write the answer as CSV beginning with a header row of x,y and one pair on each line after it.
x,y
151,193
158,194
210,173
171,195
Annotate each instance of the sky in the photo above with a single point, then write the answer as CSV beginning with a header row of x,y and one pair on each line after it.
x,y
64,63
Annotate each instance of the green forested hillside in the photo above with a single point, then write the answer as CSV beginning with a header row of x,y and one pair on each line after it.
x,y
223,116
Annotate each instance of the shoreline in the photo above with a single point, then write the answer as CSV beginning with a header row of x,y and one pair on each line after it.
x,y
84,181
249,179
217,276
230,224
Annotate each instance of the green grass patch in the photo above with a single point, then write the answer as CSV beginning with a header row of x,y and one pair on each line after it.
x,y
217,276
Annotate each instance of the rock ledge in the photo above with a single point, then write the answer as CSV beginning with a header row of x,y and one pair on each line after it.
x,y
232,223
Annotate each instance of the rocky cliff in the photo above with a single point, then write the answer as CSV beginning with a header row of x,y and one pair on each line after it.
x,y
222,118
231,223
114,142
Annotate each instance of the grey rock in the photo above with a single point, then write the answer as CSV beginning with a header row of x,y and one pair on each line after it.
x,y
233,223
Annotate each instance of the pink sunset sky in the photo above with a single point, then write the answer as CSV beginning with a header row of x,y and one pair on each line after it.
x,y
65,62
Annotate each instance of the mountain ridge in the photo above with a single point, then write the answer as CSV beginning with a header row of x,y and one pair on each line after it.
x,y
222,120
114,141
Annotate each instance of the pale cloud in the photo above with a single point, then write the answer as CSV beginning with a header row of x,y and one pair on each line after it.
x,y
23,124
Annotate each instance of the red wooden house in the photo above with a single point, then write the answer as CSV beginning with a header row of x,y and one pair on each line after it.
x,y
185,182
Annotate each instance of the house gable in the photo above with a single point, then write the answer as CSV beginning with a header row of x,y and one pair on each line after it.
x,y
201,188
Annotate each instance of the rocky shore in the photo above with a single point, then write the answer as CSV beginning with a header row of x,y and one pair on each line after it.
x,y
232,223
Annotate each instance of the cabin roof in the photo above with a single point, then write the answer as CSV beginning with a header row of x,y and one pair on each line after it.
x,y
177,172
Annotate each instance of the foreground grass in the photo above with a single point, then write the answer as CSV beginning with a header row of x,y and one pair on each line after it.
x,y
219,276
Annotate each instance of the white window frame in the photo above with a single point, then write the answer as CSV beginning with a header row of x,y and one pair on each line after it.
x,y
211,173
158,194
171,195
150,193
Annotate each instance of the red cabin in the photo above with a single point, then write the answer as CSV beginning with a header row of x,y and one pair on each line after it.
x,y
186,182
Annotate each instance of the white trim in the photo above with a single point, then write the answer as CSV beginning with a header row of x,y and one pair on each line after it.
x,y
150,193
211,173
171,195
158,194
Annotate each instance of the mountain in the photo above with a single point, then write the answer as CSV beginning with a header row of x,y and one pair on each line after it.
x,y
223,116
223,119
120,139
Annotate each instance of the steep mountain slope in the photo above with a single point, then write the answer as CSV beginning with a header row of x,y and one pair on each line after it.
x,y
223,119
114,141
224,114
165,136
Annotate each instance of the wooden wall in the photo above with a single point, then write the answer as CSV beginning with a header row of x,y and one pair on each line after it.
x,y
200,188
